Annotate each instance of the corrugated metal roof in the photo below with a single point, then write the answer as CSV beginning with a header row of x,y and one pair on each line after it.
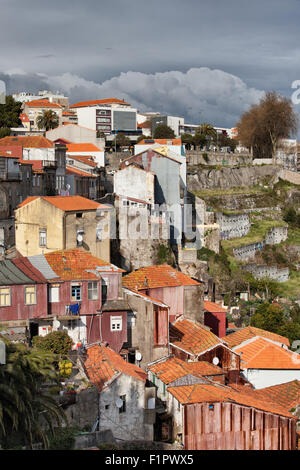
x,y
10,274
41,264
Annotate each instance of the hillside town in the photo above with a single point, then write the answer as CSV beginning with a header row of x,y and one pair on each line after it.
x,y
151,267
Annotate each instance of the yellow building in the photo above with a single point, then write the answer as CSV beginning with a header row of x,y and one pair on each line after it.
x,y
50,223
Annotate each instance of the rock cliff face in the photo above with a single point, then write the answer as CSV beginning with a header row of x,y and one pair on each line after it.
x,y
226,178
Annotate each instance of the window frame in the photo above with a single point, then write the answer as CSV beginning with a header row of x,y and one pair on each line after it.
x,y
8,289
76,286
92,289
32,293
116,320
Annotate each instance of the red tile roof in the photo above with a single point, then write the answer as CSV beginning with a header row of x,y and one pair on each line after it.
x,y
161,275
13,151
43,103
213,307
261,353
30,141
86,159
67,203
192,337
82,147
243,334
71,170
286,395
82,104
173,368
103,364
75,264
202,393
160,142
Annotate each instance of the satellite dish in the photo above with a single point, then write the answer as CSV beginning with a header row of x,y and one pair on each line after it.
x,y
119,403
215,361
56,324
138,356
79,238
68,187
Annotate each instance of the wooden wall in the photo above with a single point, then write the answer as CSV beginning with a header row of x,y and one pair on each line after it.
x,y
230,426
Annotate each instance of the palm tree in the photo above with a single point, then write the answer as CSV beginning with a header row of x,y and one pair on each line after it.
x,y
48,120
25,409
206,129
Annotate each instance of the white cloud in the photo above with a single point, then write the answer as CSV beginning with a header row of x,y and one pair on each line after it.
x,y
200,94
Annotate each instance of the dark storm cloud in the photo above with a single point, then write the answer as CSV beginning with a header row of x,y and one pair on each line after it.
x,y
97,41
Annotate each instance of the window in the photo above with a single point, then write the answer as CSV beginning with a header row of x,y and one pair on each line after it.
x,y
115,323
76,292
43,237
54,294
30,295
104,288
5,297
93,290
123,407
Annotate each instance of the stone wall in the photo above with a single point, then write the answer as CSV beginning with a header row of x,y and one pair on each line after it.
x,y
225,178
233,226
273,237
272,272
196,157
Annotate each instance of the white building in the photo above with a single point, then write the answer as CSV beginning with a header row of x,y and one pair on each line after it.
x,y
106,115
264,362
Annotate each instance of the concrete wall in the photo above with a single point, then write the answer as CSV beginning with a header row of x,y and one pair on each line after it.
x,y
89,223
85,411
129,425
32,217
135,183
195,157
141,329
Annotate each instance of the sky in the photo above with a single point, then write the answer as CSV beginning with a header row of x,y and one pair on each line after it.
x,y
204,60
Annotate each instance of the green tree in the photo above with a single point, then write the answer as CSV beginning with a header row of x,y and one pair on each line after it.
x,y
47,120
162,131
56,342
268,317
26,411
121,140
9,113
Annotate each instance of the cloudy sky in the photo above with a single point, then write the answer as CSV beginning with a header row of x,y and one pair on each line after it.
x,y
205,60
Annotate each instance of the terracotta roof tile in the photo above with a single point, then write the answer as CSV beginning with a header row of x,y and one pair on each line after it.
x,y
13,151
174,368
261,353
71,170
82,147
213,307
30,141
87,159
67,203
286,395
238,337
161,275
75,264
43,103
201,393
103,364
81,104
192,337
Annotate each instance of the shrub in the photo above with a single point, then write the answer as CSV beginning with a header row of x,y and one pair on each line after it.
x,y
57,342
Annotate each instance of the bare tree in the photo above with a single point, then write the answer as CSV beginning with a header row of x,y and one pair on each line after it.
x,y
264,124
